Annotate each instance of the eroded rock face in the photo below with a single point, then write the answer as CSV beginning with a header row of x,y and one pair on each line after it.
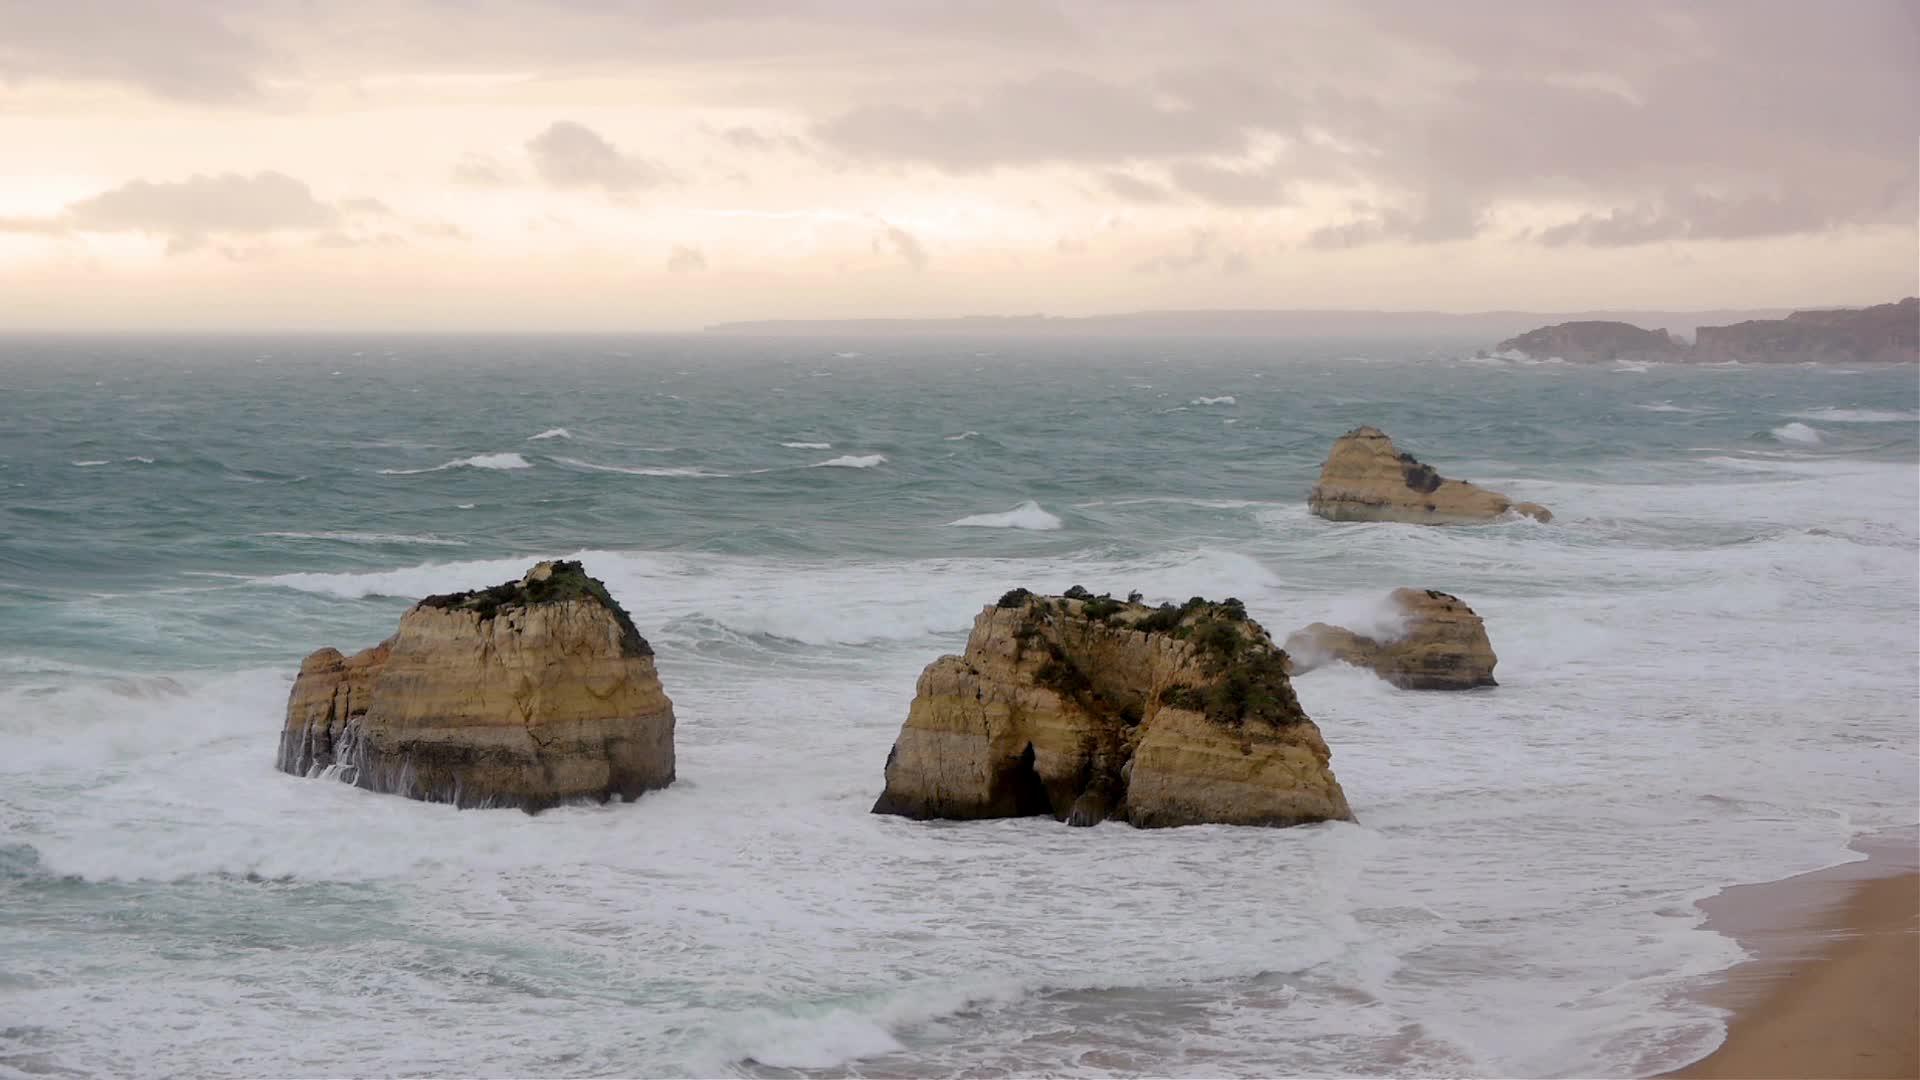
x,y
1444,645
1366,479
1596,341
528,694
1088,708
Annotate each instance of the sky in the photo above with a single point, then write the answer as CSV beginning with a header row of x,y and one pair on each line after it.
x,y
664,164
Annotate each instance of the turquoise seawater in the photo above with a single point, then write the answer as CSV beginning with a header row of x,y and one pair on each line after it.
x,y
1708,666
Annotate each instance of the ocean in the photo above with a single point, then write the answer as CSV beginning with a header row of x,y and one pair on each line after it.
x,y
1708,675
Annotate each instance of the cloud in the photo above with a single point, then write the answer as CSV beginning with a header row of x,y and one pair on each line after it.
x,y
1059,116
1697,215
481,171
1133,189
183,50
1439,218
187,211
686,260
907,246
572,156
1258,186
192,212
756,141
1203,251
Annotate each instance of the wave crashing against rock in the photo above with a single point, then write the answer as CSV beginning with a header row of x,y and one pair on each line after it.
x,y
527,694
1444,645
1086,708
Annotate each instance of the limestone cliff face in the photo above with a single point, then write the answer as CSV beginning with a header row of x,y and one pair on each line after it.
x,y
1885,333
1088,708
527,694
1366,479
1444,646
1596,342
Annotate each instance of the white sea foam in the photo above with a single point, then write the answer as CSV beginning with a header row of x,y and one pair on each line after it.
x,y
690,471
1224,399
551,433
815,603
477,461
90,463
962,436
140,458
1028,515
1860,416
1667,407
852,461
1798,433
808,445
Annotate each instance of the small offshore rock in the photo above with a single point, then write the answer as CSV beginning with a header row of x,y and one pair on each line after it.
x,y
527,694
1444,645
1087,708
1366,479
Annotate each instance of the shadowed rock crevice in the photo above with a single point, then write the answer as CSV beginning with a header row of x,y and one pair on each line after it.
x,y
1156,716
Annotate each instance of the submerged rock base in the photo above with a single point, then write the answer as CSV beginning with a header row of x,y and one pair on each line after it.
x,y
1087,708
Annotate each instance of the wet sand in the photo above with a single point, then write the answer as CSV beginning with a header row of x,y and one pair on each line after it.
x,y
1834,986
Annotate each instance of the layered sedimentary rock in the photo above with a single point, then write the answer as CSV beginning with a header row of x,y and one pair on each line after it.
x,y
1596,342
1885,333
527,694
1366,479
1442,645
1088,708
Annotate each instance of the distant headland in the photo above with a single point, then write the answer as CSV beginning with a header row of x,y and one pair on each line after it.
x,y
1478,327
1884,333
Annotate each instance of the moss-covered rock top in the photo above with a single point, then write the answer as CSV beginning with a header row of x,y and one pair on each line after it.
x,y
547,583
1246,671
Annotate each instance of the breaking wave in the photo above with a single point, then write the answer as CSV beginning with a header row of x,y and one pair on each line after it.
x,y
1798,433
551,433
644,470
1028,515
477,461
851,461
1859,416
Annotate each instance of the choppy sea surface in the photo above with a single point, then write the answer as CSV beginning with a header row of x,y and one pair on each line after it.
x,y
1707,663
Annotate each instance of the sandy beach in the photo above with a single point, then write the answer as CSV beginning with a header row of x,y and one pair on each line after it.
x,y
1834,986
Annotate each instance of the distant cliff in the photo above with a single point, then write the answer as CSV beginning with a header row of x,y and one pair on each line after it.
x,y
1885,333
1590,342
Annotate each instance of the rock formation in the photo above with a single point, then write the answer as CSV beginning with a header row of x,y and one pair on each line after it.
x,y
527,694
1444,645
1089,708
1885,333
1591,342
1366,479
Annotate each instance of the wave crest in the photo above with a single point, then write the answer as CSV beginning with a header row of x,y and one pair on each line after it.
x,y
1028,515
477,461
